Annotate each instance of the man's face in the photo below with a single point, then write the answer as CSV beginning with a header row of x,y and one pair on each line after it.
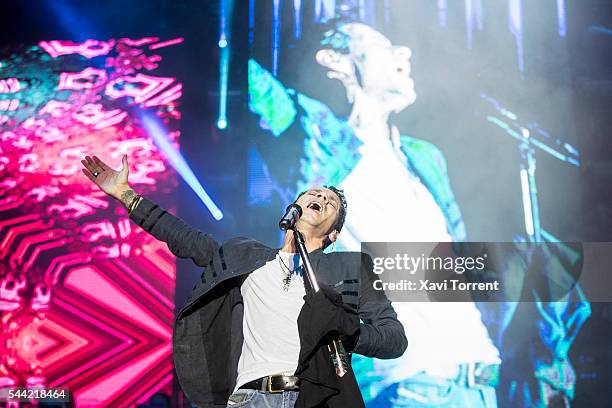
x,y
320,211
383,67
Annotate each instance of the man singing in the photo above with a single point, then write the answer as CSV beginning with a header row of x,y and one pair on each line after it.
x,y
236,339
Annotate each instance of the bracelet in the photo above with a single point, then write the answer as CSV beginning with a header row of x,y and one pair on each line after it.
x,y
134,203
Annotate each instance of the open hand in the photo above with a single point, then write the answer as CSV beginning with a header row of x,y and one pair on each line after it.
x,y
111,181
341,67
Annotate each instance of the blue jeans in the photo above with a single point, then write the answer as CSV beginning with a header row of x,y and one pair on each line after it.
x,y
424,391
260,399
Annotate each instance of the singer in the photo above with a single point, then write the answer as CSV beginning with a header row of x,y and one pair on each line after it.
x,y
236,340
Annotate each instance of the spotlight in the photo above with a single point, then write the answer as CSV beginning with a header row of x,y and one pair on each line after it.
x,y
222,43
159,134
222,124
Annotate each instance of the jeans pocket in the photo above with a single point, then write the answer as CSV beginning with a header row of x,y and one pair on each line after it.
x,y
241,398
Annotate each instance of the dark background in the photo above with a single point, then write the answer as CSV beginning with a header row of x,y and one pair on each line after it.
x,y
218,158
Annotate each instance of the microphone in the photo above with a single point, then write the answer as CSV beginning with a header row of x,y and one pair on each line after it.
x,y
292,214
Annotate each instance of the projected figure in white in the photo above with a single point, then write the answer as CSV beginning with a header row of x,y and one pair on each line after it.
x,y
399,190
381,182
391,203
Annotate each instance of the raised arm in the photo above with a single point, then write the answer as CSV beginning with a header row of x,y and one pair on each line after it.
x,y
182,240
381,334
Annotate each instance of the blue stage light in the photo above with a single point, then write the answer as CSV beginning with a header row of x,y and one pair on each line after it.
x,y
227,7
159,135
224,62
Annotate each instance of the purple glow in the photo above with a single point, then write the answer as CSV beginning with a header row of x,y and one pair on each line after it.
x,y
469,21
297,19
139,42
275,36
515,22
369,12
88,49
93,114
387,11
442,12
141,87
473,13
88,78
9,104
479,14
561,18
166,43
9,85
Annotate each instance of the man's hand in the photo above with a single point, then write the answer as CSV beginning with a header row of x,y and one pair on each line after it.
x,y
342,68
112,182
325,314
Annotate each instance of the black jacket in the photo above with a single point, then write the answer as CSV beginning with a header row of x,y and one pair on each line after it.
x,y
208,338
324,316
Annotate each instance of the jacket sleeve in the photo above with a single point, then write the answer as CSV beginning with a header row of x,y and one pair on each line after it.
x,y
182,240
381,335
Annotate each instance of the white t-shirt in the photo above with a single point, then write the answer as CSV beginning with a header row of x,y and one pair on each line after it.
x,y
386,203
271,340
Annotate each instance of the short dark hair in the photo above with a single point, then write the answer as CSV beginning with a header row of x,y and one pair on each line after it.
x,y
342,209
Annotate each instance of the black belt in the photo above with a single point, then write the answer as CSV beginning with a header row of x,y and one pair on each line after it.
x,y
274,383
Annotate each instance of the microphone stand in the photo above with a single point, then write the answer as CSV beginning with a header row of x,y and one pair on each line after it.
x,y
338,355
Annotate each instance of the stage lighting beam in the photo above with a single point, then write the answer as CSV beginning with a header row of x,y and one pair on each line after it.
x,y
159,135
224,44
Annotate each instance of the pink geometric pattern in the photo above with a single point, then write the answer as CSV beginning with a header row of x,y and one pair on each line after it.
x,y
86,296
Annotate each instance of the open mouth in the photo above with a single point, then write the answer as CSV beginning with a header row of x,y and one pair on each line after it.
x,y
315,206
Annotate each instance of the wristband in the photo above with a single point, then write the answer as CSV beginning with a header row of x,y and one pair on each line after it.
x,y
134,203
